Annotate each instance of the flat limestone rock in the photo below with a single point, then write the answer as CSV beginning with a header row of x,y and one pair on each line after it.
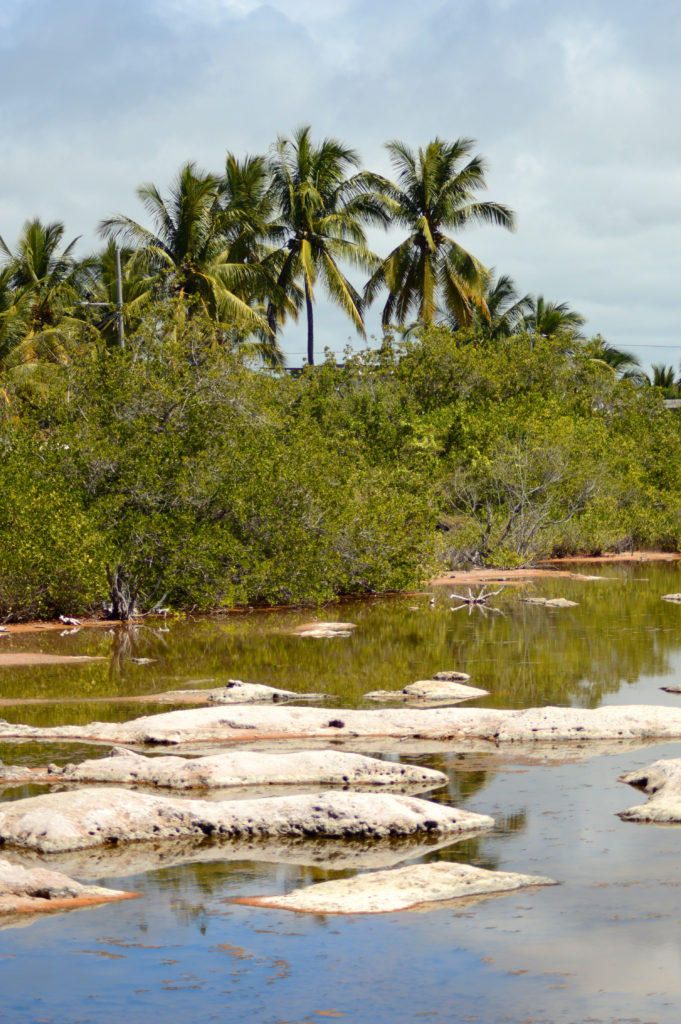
x,y
662,780
381,892
91,817
676,598
301,725
30,890
550,602
430,691
452,676
674,688
237,768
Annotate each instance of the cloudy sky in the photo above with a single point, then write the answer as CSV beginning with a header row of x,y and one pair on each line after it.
x,y
575,107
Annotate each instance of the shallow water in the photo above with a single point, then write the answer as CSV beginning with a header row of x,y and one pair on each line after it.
x,y
604,945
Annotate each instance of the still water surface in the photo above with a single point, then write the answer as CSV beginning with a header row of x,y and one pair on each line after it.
x,y
603,946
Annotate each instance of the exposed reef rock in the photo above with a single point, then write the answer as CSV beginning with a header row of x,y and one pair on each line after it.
x,y
662,780
418,885
91,817
236,768
302,725
429,691
30,890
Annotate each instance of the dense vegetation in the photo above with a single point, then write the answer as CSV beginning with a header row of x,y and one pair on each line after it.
x,y
187,467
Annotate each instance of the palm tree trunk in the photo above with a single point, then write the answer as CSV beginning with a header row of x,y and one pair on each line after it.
x,y
310,325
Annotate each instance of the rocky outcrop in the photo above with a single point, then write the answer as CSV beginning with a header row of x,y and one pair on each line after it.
x,y
92,817
237,768
662,780
381,892
433,692
30,890
301,725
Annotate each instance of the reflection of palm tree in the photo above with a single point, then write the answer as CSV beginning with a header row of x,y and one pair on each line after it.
x,y
435,190
322,211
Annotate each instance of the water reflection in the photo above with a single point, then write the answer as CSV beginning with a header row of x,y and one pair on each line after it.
x,y
531,655
604,945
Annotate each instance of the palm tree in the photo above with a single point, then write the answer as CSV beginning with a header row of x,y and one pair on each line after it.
x,y
664,377
50,278
623,364
436,190
323,211
552,319
188,249
505,310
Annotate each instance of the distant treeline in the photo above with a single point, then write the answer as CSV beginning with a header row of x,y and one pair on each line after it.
x,y
154,450
173,471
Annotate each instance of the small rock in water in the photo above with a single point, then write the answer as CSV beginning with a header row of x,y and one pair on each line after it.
x,y
676,598
550,602
380,892
452,676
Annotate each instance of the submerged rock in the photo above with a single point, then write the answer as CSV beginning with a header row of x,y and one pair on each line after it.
x,y
381,892
319,630
84,818
30,890
550,602
430,691
237,768
662,780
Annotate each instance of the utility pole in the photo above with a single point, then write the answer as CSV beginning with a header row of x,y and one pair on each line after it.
x,y
119,299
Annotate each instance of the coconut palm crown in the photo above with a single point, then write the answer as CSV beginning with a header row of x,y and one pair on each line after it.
x,y
436,191
188,248
323,208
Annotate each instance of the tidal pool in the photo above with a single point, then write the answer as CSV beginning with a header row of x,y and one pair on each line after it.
x,y
603,946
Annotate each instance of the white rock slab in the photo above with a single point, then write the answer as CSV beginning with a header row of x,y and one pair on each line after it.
x,y
91,817
662,780
429,691
381,892
452,676
237,768
676,598
245,724
30,890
